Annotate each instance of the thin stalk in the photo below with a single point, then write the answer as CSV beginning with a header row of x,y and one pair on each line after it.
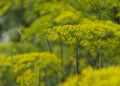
x,y
38,76
76,59
49,45
101,62
61,50
61,54
77,63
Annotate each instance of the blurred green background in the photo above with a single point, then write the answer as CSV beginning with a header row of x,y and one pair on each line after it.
x,y
59,42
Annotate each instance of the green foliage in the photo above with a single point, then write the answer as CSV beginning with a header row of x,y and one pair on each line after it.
x,y
99,9
89,37
4,6
41,68
6,73
80,32
13,48
89,77
87,31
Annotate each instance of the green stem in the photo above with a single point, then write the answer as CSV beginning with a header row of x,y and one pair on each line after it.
x,y
77,63
76,59
38,76
61,50
101,62
49,45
